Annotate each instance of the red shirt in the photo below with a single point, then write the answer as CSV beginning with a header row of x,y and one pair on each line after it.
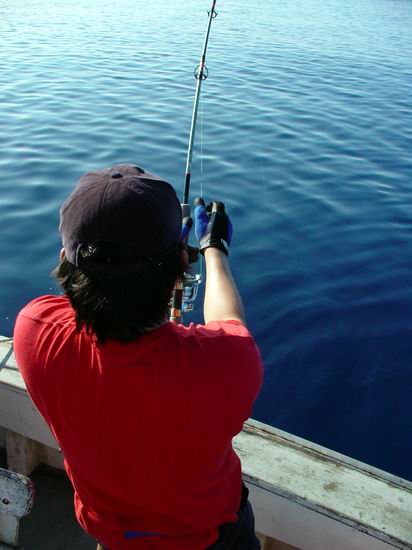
x,y
145,428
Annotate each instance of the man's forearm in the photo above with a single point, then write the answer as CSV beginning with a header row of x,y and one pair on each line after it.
x,y
222,299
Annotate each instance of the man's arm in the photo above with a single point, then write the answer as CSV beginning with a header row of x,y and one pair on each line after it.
x,y
222,299
213,230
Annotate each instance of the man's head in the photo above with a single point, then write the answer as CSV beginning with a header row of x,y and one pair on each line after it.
x,y
122,206
120,229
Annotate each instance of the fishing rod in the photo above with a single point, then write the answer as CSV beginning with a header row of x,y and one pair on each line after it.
x,y
186,288
201,73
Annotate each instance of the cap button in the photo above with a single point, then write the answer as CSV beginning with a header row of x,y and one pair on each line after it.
x,y
116,174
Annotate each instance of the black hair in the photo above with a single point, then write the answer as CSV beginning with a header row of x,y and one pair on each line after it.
x,y
118,306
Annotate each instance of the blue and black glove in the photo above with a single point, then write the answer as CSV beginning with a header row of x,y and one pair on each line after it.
x,y
213,227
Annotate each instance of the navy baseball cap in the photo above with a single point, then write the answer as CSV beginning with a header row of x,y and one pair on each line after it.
x,y
125,206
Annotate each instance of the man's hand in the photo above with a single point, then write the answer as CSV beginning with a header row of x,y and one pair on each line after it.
x,y
213,227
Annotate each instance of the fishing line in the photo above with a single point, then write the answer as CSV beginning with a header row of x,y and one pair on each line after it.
x,y
201,259
186,288
201,147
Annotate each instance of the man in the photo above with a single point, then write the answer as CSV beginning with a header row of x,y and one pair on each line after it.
x,y
144,410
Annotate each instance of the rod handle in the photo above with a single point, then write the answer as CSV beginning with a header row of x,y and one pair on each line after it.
x,y
185,210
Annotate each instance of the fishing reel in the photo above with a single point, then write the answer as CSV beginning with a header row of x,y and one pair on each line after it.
x,y
191,282
186,288
184,295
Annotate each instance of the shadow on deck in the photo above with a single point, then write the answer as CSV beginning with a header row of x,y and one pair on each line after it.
x,y
52,524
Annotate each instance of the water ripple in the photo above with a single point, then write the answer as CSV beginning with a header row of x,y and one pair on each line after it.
x,y
306,135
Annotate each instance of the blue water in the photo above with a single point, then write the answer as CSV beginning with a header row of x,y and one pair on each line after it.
x,y
307,137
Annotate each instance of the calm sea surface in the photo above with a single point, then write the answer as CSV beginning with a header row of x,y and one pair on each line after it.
x,y
307,137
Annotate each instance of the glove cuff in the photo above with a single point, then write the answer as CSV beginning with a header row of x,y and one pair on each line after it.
x,y
213,243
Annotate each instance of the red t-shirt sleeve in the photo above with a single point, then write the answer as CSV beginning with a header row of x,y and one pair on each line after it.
x,y
34,342
229,327
236,366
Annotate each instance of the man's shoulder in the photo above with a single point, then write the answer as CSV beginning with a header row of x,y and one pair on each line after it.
x,y
227,341
215,329
48,309
41,325
226,362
